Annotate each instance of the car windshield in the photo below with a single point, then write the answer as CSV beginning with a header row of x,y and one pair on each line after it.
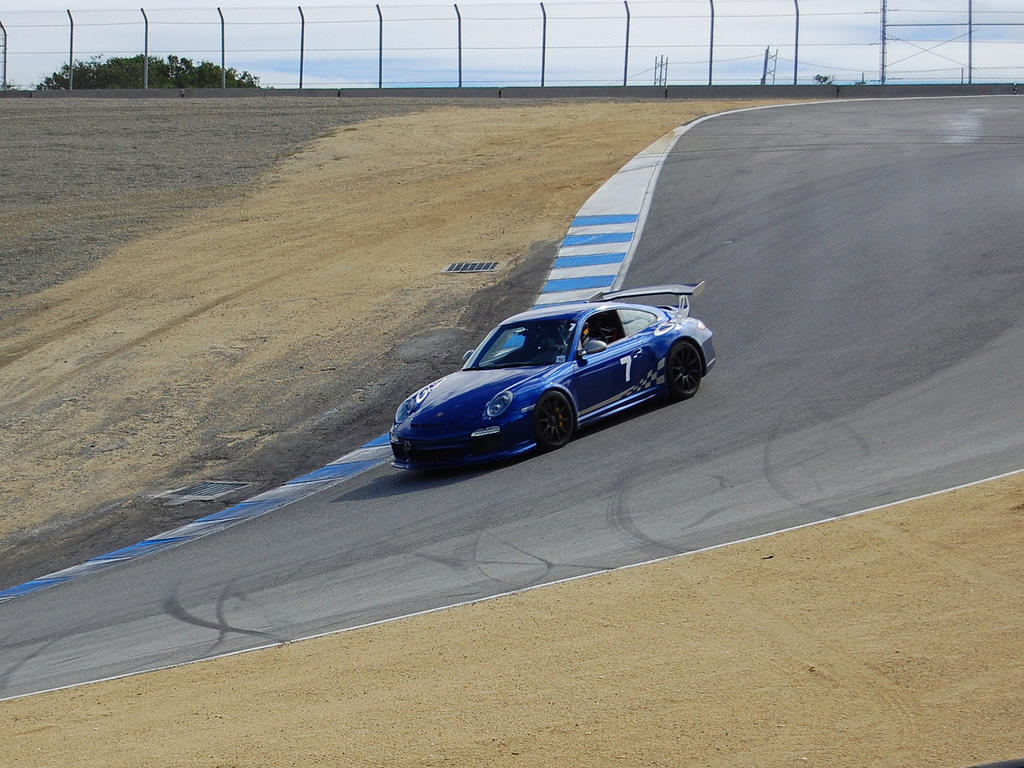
x,y
531,342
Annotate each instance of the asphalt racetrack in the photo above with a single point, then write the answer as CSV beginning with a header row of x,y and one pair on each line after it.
x,y
864,276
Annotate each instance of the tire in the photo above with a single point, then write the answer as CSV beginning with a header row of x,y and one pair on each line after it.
x,y
553,421
683,370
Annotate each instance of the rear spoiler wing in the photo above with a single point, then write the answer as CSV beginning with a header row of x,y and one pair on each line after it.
x,y
682,292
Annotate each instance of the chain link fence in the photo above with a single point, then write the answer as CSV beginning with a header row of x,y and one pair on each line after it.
x,y
475,44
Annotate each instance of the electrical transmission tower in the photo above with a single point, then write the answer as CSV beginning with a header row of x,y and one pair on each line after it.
x,y
661,71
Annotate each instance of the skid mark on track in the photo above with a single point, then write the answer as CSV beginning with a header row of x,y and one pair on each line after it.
x,y
9,673
788,464
620,518
173,607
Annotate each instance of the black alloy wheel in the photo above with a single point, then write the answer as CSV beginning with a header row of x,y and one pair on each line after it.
x,y
683,370
553,421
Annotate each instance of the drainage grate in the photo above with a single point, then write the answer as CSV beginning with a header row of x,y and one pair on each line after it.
x,y
207,490
462,267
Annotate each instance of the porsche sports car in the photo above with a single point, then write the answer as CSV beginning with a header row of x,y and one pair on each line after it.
x,y
542,374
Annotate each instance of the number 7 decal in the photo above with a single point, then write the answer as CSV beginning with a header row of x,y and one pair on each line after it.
x,y
628,362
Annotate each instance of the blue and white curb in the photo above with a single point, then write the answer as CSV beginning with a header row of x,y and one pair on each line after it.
x,y
594,256
589,258
366,457
597,249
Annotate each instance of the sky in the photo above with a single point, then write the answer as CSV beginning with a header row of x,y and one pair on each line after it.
x,y
562,42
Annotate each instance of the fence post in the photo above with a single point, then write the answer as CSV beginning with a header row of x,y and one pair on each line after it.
x,y
380,48
71,53
625,66
223,72
3,71
711,44
543,42
459,17
145,51
796,40
302,44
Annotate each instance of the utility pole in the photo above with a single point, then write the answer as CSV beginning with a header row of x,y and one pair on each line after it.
x,y
970,41
885,11
774,59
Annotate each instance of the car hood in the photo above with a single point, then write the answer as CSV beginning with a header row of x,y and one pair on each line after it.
x,y
464,394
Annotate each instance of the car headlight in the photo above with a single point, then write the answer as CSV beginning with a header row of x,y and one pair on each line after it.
x,y
499,404
413,402
405,409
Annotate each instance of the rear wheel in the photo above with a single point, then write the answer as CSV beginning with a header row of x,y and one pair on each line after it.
x,y
683,370
553,421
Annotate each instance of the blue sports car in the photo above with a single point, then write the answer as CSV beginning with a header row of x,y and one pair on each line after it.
x,y
542,374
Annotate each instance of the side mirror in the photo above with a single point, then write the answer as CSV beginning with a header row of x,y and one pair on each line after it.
x,y
469,354
593,346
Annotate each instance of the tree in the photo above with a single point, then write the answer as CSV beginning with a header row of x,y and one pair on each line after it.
x,y
120,72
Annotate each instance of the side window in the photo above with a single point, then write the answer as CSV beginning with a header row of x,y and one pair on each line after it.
x,y
603,326
635,320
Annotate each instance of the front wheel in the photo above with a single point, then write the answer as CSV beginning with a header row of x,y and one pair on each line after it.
x,y
683,370
553,421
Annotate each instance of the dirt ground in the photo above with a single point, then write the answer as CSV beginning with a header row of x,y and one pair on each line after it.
x,y
266,333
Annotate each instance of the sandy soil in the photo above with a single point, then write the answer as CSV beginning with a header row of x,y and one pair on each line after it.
x,y
238,336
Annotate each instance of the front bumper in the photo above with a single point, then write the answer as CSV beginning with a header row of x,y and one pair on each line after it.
x,y
486,444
